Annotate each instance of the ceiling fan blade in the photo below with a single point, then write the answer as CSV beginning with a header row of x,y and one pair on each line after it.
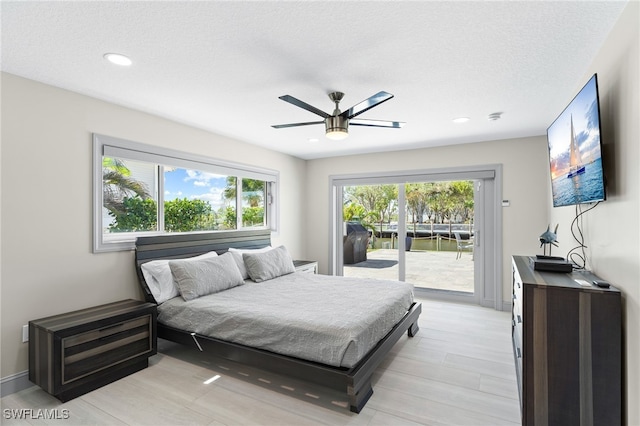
x,y
283,126
367,104
376,123
304,105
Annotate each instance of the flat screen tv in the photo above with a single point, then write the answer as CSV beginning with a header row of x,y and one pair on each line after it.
x,y
575,150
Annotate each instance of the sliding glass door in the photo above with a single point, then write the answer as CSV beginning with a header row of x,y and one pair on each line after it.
x,y
421,228
437,233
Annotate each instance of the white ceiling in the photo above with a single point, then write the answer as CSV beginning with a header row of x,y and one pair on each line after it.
x,y
221,66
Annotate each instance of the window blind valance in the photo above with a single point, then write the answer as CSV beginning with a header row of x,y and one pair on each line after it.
x,y
113,147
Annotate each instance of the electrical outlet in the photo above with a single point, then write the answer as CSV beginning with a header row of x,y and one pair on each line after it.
x,y
25,333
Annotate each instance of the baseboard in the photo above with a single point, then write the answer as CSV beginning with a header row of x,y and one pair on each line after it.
x,y
507,305
14,383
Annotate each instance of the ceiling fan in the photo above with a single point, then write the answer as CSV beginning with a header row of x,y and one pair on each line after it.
x,y
337,124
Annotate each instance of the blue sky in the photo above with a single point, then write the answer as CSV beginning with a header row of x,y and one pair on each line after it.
x,y
192,184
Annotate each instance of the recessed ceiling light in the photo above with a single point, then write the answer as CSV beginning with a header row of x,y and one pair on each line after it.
x,y
461,119
118,59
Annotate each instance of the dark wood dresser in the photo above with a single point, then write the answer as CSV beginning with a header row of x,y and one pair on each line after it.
x,y
74,353
567,342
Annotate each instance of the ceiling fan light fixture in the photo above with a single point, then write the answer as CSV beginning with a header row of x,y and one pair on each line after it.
x,y
337,124
336,127
337,134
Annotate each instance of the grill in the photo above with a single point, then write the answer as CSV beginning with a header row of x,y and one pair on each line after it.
x,y
355,243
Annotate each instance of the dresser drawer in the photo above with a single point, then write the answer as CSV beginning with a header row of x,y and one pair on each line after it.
x,y
517,286
517,346
516,318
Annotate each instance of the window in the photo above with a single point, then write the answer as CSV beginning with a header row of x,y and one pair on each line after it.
x,y
146,190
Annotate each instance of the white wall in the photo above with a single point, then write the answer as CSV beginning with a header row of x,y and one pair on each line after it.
x,y
612,230
525,185
47,264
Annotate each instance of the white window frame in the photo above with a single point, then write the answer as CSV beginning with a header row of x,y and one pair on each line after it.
x,y
121,148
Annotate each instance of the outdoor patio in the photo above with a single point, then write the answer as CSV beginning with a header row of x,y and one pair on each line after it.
x,y
427,269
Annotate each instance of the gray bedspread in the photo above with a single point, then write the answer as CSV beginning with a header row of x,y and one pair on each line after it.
x,y
331,320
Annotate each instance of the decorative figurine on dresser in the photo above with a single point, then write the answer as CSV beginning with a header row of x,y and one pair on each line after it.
x,y
548,238
74,353
567,342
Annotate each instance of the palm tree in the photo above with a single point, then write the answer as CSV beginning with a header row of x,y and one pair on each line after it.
x,y
462,196
117,185
252,190
378,200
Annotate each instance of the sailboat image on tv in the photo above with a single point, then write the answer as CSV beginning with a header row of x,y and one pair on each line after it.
x,y
575,150
577,167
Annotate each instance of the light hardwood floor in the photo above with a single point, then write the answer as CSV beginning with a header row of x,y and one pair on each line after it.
x,y
458,370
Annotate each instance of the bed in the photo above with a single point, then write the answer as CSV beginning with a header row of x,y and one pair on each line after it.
x,y
294,334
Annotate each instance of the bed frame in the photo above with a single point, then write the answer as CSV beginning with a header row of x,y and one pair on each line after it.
x,y
355,380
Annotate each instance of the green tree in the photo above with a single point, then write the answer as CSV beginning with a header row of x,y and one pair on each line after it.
x,y
136,215
184,215
228,215
353,211
379,201
389,203
181,215
117,185
252,216
252,190
252,194
439,201
416,201
462,199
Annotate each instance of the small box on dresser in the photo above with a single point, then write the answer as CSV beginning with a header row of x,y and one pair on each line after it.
x,y
567,342
74,353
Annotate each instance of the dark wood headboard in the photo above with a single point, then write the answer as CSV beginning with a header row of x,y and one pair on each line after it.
x,y
177,246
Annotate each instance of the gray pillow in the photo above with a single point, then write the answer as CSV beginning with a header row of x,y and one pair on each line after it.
x,y
268,265
237,255
206,276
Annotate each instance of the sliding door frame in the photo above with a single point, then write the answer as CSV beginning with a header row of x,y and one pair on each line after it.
x,y
489,294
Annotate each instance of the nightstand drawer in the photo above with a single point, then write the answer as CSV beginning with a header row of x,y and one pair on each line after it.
x,y
95,350
74,353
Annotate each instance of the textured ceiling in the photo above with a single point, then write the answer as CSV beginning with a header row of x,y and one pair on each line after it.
x,y
221,66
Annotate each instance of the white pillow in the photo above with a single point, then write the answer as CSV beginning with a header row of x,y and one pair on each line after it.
x,y
267,265
157,275
205,276
237,256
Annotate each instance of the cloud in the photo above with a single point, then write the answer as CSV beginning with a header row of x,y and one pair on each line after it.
x,y
203,178
196,185
215,197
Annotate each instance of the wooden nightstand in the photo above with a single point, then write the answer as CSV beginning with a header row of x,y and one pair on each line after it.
x,y
74,353
306,266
